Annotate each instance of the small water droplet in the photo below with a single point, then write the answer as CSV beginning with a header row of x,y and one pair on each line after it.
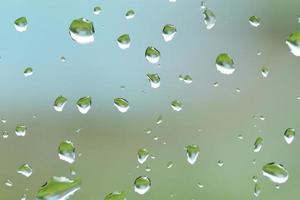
x,y
257,189
21,24
224,64
159,120
154,80
220,163
170,164
5,134
152,55
97,10
209,18
28,72
25,170
188,79
21,130
275,172
66,151
289,135
60,103
124,41
258,144
82,31
254,21
169,32
216,84
23,197
9,183
200,185
3,120
192,152
148,169
63,59
58,188
143,155
264,72
142,185
116,196
254,178
130,14
176,105
121,104
240,137
84,104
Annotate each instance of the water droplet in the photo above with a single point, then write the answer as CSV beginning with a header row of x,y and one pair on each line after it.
x,y
121,104
116,196
84,104
130,14
28,72
154,80
62,59
275,172
23,197
240,136
124,41
143,155
3,120
216,84
148,169
25,170
264,72
224,64
258,144
172,1
58,188
82,31
97,10
169,32
142,185
192,152
254,178
159,120
202,5
72,171
170,164
277,186
254,21
289,135
209,18
21,24
187,79
200,185
176,105
148,131
66,151
293,41
152,55
155,138
238,90
220,163
262,118
5,134
60,103
21,130
9,183
257,189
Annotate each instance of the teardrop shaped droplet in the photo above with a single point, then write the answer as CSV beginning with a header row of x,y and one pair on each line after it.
x,y
84,104
25,170
130,14
152,55
209,18
154,80
170,164
121,104
224,64
21,24
82,31
254,21
142,185
192,152
289,135
257,189
176,105
21,130
28,72
264,72
220,163
159,120
124,41
169,32
293,41
143,155
116,196
97,10
58,188
66,151
60,103
275,172
258,144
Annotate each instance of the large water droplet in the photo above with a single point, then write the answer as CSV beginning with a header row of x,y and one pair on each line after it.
x,y
25,170
293,41
258,144
28,72
58,188
275,172
192,152
176,105
152,55
66,151
84,104
169,32
154,80
60,103
289,135
21,130
21,24
82,31
209,18
121,104
124,41
142,156
142,185
116,196
254,21
224,64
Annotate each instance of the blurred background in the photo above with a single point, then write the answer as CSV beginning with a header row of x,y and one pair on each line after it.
x,y
108,140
